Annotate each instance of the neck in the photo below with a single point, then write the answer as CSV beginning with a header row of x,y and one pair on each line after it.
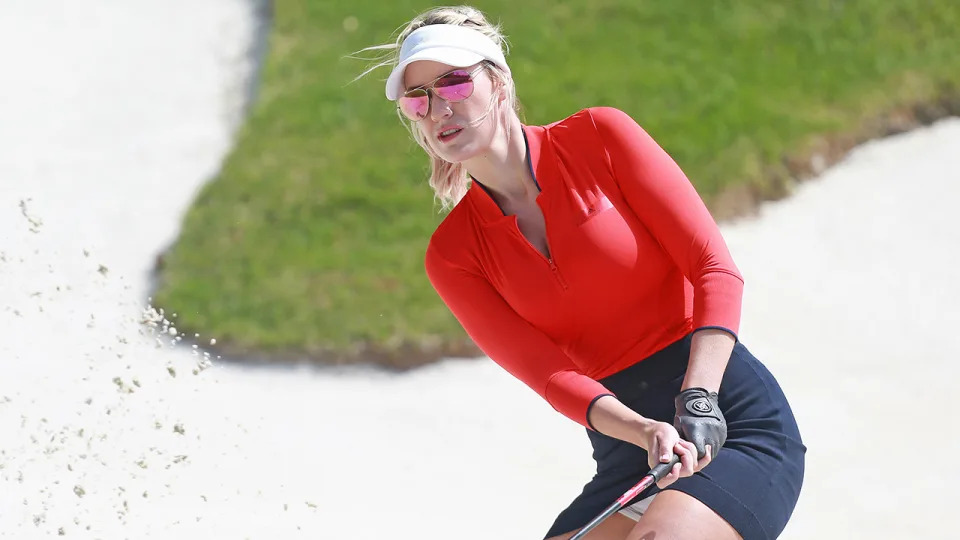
x,y
503,168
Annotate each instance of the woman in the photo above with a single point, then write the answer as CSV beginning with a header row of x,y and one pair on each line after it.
x,y
579,257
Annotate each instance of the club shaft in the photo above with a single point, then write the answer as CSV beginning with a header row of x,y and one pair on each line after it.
x,y
612,509
654,475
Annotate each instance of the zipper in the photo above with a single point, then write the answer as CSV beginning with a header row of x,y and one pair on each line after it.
x,y
546,236
556,272
549,260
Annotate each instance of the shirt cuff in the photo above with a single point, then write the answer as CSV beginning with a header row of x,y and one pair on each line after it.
x,y
589,423
736,338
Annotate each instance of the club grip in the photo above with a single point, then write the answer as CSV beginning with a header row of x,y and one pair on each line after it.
x,y
663,469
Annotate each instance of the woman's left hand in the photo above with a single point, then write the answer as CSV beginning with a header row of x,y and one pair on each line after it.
x,y
698,419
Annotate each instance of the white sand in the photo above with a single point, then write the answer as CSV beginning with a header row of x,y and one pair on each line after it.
x,y
114,113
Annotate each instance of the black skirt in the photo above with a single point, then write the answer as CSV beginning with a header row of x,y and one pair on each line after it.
x,y
753,483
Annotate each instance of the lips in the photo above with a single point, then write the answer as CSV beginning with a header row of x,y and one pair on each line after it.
x,y
448,132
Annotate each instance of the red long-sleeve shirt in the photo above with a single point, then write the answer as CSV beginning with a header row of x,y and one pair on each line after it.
x,y
636,262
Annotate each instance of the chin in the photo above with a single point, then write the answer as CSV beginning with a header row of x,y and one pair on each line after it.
x,y
458,155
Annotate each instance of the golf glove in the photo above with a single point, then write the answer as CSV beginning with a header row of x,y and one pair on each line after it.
x,y
698,419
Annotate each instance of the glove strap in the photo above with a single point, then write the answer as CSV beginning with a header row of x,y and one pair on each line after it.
x,y
698,401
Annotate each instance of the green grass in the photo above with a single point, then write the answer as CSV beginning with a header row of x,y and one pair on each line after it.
x,y
310,242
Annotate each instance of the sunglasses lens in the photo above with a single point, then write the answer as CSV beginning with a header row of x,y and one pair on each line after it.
x,y
455,86
414,104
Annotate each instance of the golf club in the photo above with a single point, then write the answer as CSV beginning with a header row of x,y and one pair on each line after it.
x,y
651,477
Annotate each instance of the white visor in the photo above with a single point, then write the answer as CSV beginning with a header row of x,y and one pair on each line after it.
x,y
454,45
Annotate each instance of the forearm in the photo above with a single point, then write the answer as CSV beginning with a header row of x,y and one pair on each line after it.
x,y
614,419
710,351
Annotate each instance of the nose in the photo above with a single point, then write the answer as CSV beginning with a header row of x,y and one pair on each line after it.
x,y
439,108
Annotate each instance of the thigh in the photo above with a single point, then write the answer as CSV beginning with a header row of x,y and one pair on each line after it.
x,y
615,527
754,482
674,515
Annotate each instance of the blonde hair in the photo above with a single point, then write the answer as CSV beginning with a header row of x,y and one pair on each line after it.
x,y
450,180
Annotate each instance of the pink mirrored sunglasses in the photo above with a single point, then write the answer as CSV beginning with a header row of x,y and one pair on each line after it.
x,y
452,87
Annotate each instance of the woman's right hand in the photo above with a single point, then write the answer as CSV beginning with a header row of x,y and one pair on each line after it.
x,y
662,441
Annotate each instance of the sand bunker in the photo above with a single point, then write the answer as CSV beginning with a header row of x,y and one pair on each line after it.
x,y
114,426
